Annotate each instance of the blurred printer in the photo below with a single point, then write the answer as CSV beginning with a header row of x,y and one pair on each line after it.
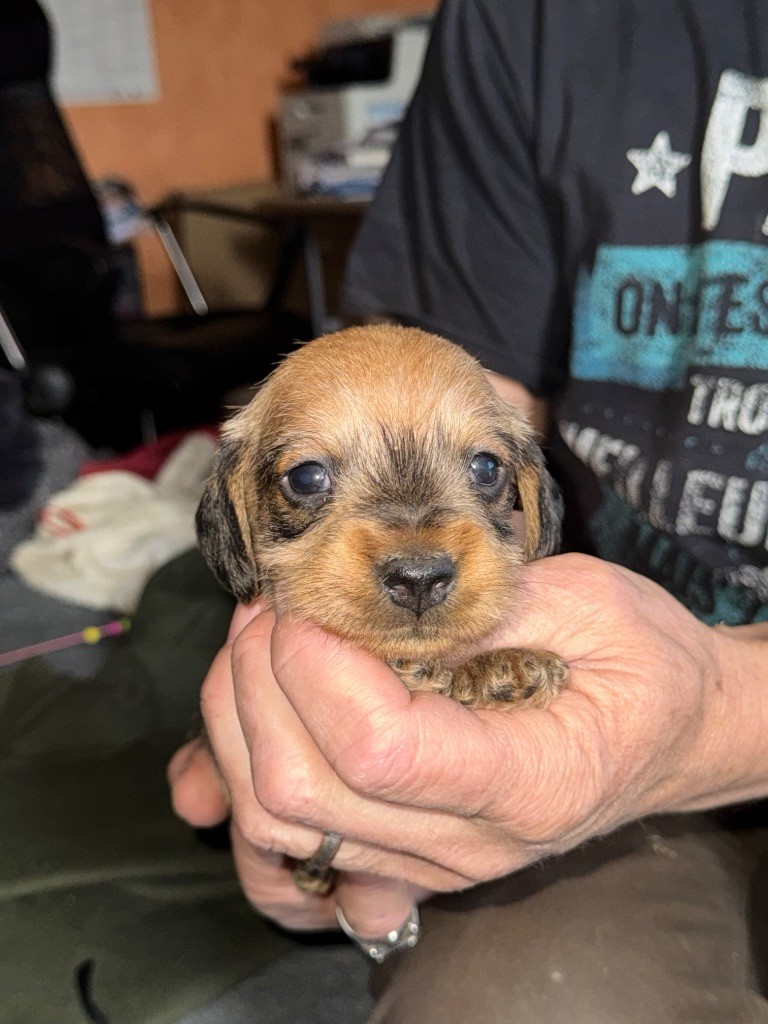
x,y
337,127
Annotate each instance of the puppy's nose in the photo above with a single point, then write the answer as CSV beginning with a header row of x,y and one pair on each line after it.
x,y
418,583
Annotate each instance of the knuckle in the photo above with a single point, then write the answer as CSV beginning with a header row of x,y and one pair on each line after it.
x,y
380,760
596,573
289,793
258,829
599,586
609,581
581,563
250,822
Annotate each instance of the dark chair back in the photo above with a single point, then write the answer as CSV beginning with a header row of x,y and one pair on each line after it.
x,y
55,276
46,198
58,276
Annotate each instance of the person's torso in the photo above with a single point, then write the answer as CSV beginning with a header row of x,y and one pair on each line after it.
x,y
654,137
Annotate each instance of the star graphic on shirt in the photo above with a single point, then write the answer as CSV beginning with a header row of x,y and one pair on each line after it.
x,y
657,166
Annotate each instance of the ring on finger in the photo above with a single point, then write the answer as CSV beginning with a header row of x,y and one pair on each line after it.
x,y
315,874
404,937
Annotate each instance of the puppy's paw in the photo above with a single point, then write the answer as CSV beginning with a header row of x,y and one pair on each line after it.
x,y
510,677
428,677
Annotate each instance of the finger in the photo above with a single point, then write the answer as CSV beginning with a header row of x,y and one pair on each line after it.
x,y
262,827
534,772
229,747
374,906
268,884
415,749
242,615
294,781
266,878
198,793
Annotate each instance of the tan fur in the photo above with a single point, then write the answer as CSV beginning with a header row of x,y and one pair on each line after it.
x,y
398,414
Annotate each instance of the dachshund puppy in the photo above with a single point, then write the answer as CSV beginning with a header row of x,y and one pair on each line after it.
x,y
369,487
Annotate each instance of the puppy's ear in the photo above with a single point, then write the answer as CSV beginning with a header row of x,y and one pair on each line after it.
x,y
222,527
539,496
542,504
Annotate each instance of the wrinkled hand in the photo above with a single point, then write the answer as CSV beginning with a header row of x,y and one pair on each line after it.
x,y
206,791
312,735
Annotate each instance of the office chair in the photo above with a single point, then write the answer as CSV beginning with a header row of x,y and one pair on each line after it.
x,y
115,381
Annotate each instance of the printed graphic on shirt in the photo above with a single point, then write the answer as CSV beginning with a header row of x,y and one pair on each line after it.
x,y
669,409
724,152
657,167
730,597
646,313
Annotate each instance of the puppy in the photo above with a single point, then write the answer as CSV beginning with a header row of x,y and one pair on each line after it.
x,y
369,487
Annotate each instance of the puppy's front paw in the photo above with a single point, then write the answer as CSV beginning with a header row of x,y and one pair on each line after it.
x,y
517,677
426,676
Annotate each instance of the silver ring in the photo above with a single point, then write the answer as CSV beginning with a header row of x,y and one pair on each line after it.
x,y
315,874
404,937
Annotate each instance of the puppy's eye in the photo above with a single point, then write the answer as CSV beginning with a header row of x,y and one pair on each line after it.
x,y
485,470
308,478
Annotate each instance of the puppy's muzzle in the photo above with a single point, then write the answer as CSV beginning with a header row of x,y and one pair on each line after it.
x,y
418,582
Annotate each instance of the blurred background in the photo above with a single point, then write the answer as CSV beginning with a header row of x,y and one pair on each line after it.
x,y
180,182
220,71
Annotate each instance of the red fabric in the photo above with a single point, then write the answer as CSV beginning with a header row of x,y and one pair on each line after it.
x,y
147,459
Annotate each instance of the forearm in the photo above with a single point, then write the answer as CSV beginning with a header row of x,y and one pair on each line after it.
x,y
729,761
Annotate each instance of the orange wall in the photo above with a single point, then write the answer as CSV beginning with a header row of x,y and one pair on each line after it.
x,y
219,67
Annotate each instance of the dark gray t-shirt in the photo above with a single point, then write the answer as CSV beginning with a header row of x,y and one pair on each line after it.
x,y
579,197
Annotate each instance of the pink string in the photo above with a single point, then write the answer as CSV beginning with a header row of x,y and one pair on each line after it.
x,y
89,635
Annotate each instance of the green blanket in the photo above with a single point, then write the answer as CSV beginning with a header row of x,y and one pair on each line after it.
x,y
110,908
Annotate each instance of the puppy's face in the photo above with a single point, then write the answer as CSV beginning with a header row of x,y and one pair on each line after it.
x,y
370,486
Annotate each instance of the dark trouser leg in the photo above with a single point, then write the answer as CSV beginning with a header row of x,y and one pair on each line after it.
x,y
648,926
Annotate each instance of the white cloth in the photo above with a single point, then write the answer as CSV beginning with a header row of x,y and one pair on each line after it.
x,y
98,542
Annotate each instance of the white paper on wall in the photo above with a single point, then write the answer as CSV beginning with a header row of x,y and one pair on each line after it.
x,y
103,51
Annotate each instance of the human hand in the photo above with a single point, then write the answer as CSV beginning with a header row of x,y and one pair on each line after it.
x,y
206,790
425,790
